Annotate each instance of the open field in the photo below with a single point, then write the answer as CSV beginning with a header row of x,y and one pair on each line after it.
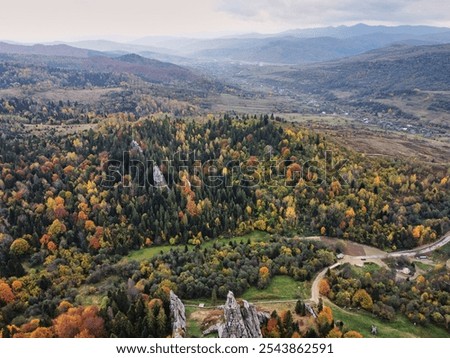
x,y
443,251
150,252
400,327
395,145
65,129
372,140
419,102
280,288
85,95
423,266
268,104
192,325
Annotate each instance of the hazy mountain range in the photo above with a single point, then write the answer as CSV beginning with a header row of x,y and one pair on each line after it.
x,y
290,47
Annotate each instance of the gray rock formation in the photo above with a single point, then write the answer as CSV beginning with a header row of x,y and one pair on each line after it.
x,y
310,310
158,177
263,317
239,321
212,329
135,145
177,316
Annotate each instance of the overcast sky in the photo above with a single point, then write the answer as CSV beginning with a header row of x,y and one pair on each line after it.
x,y
47,20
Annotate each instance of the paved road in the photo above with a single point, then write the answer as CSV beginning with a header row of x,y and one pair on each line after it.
x,y
315,295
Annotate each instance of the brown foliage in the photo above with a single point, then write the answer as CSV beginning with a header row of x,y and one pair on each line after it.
x,y
79,322
353,334
324,287
6,294
42,332
335,333
272,328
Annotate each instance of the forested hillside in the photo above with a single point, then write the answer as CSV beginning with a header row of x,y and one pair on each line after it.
x,y
72,206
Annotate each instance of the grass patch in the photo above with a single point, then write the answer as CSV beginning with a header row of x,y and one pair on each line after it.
x,y
150,252
442,254
400,327
206,301
192,326
92,294
368,267
422,266
280,288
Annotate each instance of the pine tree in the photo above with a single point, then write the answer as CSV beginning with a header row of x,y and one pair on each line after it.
x,y
288,324
151,322
320,305
161,323
300,308
214,296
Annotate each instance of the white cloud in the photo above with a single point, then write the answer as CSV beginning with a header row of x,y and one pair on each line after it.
x,y
58,19
45,20
301,13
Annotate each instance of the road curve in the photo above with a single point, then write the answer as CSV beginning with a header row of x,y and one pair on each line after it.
x,y
421,250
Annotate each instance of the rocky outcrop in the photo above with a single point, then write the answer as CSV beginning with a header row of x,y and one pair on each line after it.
x,y
135,145
239,320
310,310
263,317
158,177
177,316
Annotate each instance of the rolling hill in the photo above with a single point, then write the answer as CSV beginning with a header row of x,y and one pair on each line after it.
x,y
295,50
395,68
300,46
147,69
47,50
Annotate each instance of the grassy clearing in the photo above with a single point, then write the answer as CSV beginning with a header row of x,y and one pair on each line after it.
x,y
368,267
422,266
442,254
150,252
280,288
92,294
400,327
192,326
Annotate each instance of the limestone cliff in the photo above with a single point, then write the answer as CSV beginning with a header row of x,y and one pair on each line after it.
x,y
239,320
177,316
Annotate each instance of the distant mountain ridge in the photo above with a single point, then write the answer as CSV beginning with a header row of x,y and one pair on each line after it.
x,y
299,46
363,29
62,50
296,46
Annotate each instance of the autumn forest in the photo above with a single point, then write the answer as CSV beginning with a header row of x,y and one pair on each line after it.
x,y
137,196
